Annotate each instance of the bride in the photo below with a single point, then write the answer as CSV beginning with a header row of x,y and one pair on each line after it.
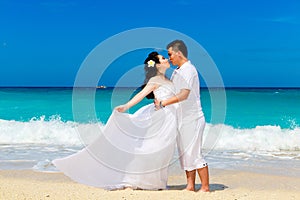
x,y
134,150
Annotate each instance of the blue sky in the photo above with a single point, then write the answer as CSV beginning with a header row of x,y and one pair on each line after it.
x,y
253,43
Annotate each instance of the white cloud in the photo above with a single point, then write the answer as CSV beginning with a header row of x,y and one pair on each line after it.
x,y
4,44
286,19
183,2
59,4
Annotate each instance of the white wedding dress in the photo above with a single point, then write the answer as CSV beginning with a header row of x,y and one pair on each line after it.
x,y
134,150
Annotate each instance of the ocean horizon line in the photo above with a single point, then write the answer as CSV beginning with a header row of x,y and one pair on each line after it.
x,y
111,87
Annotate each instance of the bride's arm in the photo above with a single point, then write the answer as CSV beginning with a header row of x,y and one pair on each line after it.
x,y
137,98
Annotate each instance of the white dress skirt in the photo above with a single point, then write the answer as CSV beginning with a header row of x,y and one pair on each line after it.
x,y
134,150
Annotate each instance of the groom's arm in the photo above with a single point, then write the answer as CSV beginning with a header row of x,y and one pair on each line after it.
x,y
181,96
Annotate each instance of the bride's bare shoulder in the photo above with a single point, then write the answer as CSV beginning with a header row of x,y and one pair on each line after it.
x,y
155,79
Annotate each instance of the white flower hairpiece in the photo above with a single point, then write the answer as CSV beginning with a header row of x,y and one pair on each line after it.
x,y
151,63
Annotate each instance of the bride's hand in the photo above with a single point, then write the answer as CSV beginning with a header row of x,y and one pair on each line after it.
x,y
121,108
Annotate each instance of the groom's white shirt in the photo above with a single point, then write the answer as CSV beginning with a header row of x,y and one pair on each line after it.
x,y
186,77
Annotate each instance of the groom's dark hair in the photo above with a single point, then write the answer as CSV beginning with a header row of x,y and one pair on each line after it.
x,y
178,45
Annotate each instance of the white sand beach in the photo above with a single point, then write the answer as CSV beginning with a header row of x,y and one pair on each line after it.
x,y
225,184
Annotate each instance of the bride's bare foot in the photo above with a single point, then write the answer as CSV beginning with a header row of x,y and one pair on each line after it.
x,y
128,188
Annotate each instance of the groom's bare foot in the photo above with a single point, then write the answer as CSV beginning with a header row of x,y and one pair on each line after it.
x,y
190,189
204,190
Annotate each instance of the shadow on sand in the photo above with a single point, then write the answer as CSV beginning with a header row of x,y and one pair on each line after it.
x,y
213,187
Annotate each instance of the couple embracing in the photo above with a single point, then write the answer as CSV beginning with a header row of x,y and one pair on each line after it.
x,y
135,150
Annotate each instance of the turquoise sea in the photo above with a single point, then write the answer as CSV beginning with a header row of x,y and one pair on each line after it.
x,y
254,128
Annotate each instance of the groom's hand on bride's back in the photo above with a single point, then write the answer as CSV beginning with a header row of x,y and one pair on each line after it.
x,y
156,103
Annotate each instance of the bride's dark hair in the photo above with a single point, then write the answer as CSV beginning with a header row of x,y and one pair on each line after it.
x,y
150,71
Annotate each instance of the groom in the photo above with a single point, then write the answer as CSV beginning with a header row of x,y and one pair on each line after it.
x,y
191,127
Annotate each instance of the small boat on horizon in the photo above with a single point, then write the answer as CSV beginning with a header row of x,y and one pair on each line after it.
x,y
101,86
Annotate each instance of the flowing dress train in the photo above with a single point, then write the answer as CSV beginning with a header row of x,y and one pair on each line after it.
x,y
133,150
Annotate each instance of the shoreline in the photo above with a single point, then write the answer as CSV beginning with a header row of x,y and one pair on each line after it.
x,y
224,184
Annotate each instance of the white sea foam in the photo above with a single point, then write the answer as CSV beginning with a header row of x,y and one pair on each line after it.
x,y
57,132
35,143
54,131
260,138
